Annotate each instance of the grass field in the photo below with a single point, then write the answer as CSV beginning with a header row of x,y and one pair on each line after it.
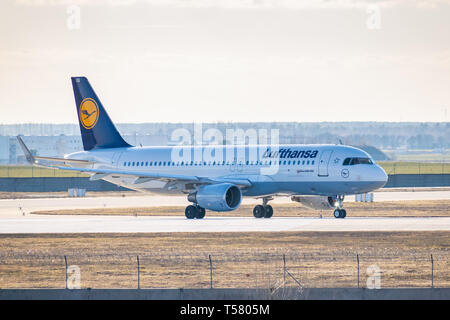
x,y
422,208
424,156
415,167
180,260
390,168
36,172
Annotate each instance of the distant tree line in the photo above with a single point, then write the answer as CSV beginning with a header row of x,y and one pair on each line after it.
x,y
383,135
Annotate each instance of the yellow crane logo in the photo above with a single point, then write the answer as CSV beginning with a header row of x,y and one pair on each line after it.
x,y
88,113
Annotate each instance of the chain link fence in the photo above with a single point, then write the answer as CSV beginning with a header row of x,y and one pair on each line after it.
x,y
269,269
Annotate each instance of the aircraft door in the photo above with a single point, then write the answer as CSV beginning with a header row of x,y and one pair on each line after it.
x,y
233,165
240,163
323,163
115,159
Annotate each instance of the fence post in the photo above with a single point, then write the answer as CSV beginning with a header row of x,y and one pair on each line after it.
x,y
138,272
65,262
357,260
432,272
210,272
284,270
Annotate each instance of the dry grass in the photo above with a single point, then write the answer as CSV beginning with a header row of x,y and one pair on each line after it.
x,y
419,208
317,259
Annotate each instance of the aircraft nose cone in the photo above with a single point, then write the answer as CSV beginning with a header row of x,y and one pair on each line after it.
x,y
382,176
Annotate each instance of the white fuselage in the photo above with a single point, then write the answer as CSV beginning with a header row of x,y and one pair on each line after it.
x,y
282,170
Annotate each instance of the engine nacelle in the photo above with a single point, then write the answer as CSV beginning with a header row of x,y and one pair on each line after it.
x,y
217,197
316,202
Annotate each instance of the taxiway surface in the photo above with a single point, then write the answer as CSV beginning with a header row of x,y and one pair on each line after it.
x,y
15,218
124,224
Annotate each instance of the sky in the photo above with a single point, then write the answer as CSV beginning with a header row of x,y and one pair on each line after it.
x,y
229,60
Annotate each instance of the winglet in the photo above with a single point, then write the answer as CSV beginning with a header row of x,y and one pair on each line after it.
x,y
26,151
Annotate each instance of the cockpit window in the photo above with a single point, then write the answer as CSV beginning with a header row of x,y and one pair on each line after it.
x,y
365,161
353,161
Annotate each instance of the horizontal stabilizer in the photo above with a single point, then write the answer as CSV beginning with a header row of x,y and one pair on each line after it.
x,y
36,160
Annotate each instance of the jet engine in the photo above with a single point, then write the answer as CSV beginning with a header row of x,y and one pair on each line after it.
x,y
316,202
217,197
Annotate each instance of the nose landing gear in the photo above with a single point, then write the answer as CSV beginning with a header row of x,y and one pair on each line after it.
x,y
340,213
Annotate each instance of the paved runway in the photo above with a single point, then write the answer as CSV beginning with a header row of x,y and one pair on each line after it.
x,y
15,207
15,218
86,224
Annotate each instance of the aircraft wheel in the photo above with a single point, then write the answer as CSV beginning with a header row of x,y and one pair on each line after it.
x,y
337,213
259,211
200,213
268,211
191,212
340,213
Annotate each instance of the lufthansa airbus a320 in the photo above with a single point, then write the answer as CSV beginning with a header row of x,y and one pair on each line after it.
x,y
317,176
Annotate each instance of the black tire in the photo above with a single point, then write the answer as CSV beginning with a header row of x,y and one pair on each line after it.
x,y
343,213
259,211
201,212
190,212
268,211
337,213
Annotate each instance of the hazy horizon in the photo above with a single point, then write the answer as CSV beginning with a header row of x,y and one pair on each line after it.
x,y
207,61
231,122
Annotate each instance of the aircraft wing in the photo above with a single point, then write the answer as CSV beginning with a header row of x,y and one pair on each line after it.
x,y
142,176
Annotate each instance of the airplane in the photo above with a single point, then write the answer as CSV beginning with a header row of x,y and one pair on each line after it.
x,y
317,176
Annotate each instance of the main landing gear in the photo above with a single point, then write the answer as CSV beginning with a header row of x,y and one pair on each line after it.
x,y
194,212
340,213
264,210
